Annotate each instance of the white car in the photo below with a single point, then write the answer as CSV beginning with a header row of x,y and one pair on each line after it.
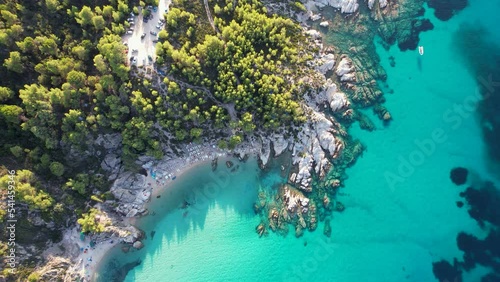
x,y
130,31
158,27
131,23
134,61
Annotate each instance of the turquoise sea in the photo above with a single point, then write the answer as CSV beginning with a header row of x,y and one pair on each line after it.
x,y
401,213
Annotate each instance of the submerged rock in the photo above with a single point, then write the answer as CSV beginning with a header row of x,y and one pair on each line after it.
x,y
138,245
458,175
261,229
327,230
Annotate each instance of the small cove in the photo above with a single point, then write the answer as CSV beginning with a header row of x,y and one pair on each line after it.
x,y
391,230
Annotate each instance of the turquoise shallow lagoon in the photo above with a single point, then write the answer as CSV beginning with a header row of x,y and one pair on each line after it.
x,y
401,213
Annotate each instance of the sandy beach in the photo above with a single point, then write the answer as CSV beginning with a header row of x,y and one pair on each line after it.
x,y
161,175
167,171
85,259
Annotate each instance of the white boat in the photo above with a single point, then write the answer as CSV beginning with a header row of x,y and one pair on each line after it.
x,y
421,50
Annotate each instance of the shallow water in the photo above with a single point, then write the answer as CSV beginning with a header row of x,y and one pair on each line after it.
x,y
401,212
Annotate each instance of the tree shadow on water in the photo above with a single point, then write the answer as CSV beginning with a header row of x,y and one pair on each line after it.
x,y
183,208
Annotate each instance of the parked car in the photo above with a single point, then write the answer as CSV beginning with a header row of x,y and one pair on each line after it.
x,y
155,40
134,61
143,35
150,58
153,33
155,9
134,50
158,26
130,31
131,23
145,20
130,19
131,58
125,43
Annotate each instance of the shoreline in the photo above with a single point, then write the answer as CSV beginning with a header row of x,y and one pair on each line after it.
x,y
84,260
157,190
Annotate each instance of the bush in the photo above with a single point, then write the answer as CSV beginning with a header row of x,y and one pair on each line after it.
x,y
33,277
299,6
17,151
57,169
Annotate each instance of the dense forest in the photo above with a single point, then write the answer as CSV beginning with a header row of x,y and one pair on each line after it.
x,y
66,80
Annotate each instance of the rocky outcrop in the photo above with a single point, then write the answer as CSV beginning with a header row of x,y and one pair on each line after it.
x,y
325,63
113,165
110,142
345,6
345,70
265,151
279,145
56,269
318,142
294,200
138,245
314,33
132,192
330,95
381,3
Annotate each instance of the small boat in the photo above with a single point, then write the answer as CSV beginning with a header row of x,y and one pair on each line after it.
x,y
421,50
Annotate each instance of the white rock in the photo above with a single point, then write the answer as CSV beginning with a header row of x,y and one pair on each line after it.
x,y
138,245
327,63
314,33
383,3
324,24
338,101
348,77
265,151
314,17
370,4
344,67
133,234
279,145
132,213
304,175
345,6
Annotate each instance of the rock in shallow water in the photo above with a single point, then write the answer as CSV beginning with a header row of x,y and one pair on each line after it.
x,y
138,245
458,175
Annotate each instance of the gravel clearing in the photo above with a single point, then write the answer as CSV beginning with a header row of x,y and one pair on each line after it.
x,y
143,48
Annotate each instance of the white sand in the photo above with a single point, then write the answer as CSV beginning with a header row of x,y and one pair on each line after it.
x,y
85,263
